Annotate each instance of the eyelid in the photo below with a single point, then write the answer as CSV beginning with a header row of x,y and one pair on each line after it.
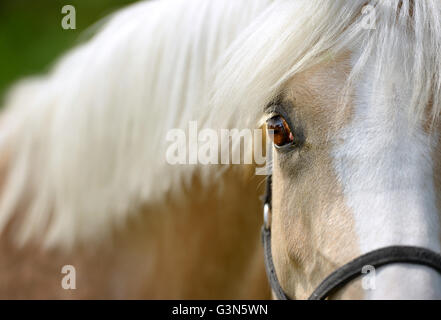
x,y
272,110
279,110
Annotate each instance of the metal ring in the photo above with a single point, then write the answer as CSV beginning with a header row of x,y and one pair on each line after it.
x,y
267,216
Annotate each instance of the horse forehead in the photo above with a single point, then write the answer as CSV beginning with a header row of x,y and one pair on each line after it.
x,y
323,81
318,95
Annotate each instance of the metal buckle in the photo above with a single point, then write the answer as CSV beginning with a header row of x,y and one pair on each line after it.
x,y
266,216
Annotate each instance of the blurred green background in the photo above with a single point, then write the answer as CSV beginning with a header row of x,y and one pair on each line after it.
x,y
31,36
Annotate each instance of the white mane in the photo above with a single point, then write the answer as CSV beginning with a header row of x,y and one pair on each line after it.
x,y
85,145
294,35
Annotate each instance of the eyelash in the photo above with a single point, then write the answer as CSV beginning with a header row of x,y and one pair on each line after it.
x,y
278,111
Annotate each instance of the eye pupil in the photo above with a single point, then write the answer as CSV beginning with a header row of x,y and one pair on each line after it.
x,y
279,131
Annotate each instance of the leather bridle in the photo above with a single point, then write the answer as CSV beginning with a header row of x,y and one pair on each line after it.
x,y
343,275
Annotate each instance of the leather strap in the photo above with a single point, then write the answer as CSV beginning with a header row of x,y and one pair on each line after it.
x,y
343,275
351,270
376,258
269,266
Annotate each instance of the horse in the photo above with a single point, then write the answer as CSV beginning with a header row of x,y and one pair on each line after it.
x,y
349,90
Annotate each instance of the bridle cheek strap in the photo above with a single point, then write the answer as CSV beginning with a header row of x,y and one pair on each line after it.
x,y
269,266
343,275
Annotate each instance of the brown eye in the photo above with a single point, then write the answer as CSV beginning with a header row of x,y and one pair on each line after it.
x,y
279,131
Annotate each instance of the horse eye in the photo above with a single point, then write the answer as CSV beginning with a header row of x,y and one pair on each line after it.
x,y
279,132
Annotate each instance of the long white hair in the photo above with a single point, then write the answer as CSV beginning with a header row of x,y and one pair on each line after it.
x,y
85,145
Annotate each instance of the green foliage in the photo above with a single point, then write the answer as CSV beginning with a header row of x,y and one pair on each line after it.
x,y
31,36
